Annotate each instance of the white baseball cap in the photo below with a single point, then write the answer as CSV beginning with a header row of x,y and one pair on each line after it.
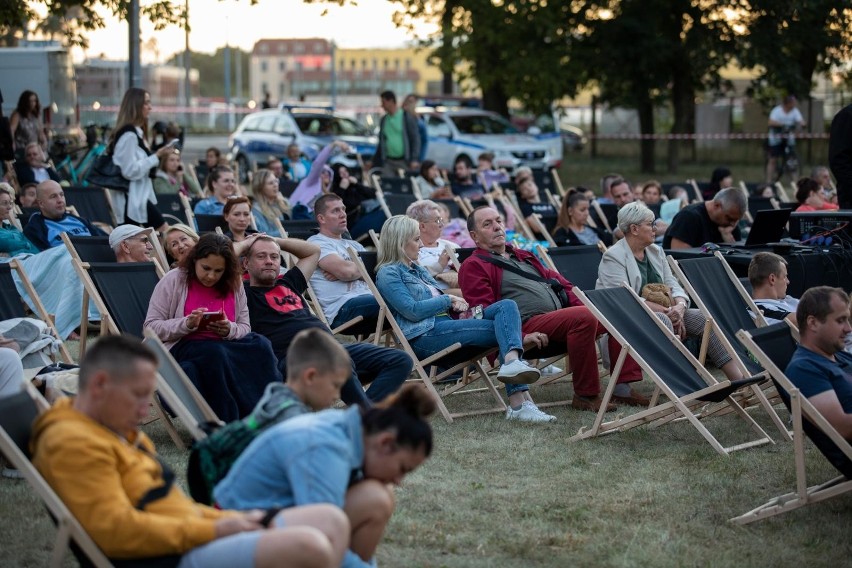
x,y
122,233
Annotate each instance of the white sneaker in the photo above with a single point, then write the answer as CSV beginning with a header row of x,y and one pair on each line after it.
x,y
551,370
529,412
518,372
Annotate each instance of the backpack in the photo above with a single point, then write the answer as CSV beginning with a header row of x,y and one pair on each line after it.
x,y
211,459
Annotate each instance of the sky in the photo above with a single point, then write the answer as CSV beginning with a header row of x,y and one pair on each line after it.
x,y
213,22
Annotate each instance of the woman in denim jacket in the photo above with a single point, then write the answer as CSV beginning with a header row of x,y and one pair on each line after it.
x,y
423,314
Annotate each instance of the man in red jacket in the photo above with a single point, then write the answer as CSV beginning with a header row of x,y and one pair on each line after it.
x,y
499,271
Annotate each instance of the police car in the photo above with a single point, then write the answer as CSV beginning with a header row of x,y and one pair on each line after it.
x,y
470,132
267,133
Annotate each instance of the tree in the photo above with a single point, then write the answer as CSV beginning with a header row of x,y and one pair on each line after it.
x,y
790,40
71,19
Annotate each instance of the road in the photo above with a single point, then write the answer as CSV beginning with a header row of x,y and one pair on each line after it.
x,y
195,145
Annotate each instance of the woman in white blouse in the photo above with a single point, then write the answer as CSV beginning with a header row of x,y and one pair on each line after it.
x,y
130,152
433,255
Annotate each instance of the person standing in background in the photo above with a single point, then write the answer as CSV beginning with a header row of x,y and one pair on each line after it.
x,y
399,139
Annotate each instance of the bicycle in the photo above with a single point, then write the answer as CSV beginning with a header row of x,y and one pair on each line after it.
x,y
786,161
95,146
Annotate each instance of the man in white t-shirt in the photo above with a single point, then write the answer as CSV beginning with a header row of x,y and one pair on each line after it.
x,y
767,274
784,120
341,292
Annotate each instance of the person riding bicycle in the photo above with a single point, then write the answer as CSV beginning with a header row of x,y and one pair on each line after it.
x,y
784,120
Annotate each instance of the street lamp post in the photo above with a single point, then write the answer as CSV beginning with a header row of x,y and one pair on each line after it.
x,y
134,67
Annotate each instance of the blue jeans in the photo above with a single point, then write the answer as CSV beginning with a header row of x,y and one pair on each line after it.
x,y
364,305
500,325
382,368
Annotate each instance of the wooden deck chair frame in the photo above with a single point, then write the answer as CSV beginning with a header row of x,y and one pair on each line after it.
x,y
431,376
558,182
68,527
699,302
187,210
108,198
13,217
314,304
175,402
800,409
41,311
717,330
676,407
108,325
699,197
597,207
781,191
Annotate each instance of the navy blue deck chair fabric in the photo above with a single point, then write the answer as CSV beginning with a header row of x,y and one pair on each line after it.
x,y
11,305
777,342
723,301
396,185
208,223
91,203
398,202
93,249
300,228
170,204
126,290
672,366
578,264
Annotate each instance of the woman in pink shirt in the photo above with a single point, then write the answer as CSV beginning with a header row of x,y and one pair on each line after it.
x,y
810,198
199,311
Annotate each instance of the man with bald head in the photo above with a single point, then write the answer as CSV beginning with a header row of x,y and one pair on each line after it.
x,y
45,227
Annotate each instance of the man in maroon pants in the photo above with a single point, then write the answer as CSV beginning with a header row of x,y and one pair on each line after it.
x,y
499,271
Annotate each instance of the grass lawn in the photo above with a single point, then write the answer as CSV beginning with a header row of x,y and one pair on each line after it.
x,y
499,494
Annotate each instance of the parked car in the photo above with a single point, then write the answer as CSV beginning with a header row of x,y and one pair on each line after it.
x,y
267,133
470,132
573,138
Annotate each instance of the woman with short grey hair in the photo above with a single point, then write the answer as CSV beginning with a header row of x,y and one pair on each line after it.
x,y
433,255
635,259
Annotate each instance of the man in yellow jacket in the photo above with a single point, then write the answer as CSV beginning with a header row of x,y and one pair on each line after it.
x,y
90,450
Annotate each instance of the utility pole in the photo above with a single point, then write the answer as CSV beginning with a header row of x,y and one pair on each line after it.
x,y
187,68
333,75
134,67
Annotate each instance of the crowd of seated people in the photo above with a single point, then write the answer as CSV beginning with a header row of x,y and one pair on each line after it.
x,y
266,319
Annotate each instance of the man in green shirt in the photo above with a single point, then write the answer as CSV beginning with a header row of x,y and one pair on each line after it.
x,y
399,139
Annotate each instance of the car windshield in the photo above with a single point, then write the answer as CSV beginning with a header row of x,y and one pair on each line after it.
x,y
483,124
329,126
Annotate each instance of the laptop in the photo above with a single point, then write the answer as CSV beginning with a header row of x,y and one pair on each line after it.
x,y
767,229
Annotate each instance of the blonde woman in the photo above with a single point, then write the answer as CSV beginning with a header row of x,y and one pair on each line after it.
x,y
269,204
178,240
424,315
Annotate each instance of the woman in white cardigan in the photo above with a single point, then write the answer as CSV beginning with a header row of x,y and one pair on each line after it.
x,y
636,260
130,152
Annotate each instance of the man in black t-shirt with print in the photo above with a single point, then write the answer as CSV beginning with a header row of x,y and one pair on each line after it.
x,y
278,311
713,221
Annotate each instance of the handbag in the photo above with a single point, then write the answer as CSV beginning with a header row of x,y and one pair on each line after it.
x,y
105,173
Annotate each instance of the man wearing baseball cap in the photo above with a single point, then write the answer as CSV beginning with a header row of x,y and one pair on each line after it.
x,y
131,243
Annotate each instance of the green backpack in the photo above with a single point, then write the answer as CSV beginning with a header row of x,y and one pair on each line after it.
x,y
211,458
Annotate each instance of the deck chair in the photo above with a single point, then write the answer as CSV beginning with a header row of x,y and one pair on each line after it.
x,y
393,184
17,414
178,392
441,365
300,228
772,346
698,188
12,305
395,203
578,264
717,292
92,203
209,223
675,372
172,208
121,293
